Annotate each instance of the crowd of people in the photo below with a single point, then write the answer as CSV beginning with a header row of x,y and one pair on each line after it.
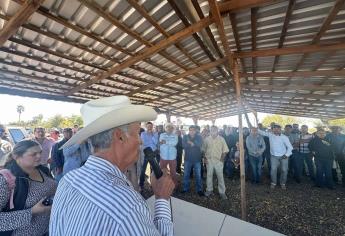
x,y
33,168
293,152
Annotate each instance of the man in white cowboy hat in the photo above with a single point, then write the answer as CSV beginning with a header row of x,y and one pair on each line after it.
x,y
98,199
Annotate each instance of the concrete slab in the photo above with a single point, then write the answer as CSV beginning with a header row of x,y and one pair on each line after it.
x,y
191,219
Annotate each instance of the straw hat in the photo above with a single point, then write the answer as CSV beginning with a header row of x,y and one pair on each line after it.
x,y
110,112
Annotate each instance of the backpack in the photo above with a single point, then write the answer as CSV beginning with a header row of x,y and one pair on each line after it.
x,y
11,182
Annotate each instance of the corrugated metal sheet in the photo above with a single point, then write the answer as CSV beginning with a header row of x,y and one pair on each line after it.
x,y
67,42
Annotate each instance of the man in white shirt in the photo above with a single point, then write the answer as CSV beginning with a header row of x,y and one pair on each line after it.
x,y
281,149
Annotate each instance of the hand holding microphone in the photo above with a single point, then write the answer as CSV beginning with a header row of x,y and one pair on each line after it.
x,y
161,181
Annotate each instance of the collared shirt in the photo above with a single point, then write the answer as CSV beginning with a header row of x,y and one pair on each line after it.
x,y
97,199
149,140
192,153
303,147
46,145
215,147
279,144
74,156
255,145
168,150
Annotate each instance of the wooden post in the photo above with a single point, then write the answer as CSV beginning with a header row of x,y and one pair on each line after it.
x,y
256,118
240,128
195,120
248,121
168,114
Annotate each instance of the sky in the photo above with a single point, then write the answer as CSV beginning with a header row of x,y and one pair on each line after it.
x,y
49,108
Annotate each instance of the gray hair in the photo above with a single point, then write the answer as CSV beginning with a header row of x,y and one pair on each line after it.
x,y
103,140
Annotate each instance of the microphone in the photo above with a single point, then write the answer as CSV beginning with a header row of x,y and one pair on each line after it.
x,y
151,157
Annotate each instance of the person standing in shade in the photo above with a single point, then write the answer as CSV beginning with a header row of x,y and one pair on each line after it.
x,y
337,141
192,147
46,144
281,150
255,146
215,149
58,158
324,158
168,151
267,154
304,155
179,148
149,138
293,137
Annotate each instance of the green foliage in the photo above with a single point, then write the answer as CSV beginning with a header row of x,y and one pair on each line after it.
x,y
57,121
337,122
20,110
279,119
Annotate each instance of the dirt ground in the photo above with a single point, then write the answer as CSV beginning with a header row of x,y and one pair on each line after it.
x,y
300,210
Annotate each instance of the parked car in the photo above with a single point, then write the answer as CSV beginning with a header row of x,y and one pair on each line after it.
x,y
16,134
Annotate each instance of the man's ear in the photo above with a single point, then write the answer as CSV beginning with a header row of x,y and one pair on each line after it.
x,y
117,135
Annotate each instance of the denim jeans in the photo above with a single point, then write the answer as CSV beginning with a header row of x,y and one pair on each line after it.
x,y
197,175
298,164
308,158
255,163
341,161
229,167
324,168
284,165
267,156
143,170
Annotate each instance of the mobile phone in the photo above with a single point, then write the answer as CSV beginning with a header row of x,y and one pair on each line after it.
x,y
48,201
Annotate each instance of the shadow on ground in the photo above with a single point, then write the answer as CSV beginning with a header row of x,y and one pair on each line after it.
x,y
300,210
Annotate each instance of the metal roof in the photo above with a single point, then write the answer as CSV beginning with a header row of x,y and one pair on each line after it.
x,y
78,50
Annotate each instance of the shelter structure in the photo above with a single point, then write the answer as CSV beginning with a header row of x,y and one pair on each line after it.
x,y
191,58
173,55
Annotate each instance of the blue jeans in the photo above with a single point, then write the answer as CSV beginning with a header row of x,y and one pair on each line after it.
x,y
255,163
229,167
143,169
197,173
308,158
324,168
284,166
267,156
297,165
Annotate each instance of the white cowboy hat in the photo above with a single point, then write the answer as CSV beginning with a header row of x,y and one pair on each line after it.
x,y
110,112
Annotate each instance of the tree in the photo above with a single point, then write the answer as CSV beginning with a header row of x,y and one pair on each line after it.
x,y
337,122
279,119
58,121
20,110
55,121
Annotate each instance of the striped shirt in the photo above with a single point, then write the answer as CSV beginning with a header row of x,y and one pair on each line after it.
x,y
97,199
